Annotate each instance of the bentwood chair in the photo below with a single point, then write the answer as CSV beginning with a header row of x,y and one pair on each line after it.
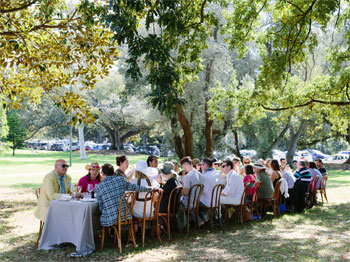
x,y
275,200
240,208
173,205
214,204
128,199
193,204
41,226
253,205
155,199
322,189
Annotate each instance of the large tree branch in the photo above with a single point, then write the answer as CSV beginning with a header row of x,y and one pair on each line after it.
x,y
5,11
336,103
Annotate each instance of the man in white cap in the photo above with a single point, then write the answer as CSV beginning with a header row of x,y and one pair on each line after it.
x,y
266,189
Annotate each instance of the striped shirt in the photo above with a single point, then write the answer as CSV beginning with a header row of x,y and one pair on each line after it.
x,y
303,174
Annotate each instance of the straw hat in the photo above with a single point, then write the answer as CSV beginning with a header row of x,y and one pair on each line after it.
x,y
93,165
259,165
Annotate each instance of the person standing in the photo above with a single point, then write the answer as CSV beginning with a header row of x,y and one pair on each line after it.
x,y
55,183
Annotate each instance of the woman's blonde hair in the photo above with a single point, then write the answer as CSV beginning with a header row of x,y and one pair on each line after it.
x,y
139,174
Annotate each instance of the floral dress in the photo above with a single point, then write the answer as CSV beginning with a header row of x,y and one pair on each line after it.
x,y
251,179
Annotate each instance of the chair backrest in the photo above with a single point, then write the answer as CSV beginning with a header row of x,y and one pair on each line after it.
x,y
245,194
276,193
256,189
324,182
156,198
215,195
37,193
174,200
128,199
313,184
196,192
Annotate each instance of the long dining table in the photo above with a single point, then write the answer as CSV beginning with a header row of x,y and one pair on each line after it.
x,y
71,222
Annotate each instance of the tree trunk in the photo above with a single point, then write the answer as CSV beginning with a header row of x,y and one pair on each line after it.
x,y
294,137
237,153
209,139
267,152
14,145
177,139
186,127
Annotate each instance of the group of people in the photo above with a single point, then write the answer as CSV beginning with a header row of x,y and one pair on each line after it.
x,y
109,184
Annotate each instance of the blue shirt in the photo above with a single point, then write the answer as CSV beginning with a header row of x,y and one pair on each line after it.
x,y
61,179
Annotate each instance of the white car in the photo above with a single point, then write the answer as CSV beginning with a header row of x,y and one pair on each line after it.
x,y
302,155
336,159
277,154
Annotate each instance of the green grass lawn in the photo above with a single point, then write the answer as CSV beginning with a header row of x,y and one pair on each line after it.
x,y
27,169
319,234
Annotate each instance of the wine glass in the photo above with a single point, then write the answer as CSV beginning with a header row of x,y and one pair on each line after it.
x,y
90,188
74,190
79,188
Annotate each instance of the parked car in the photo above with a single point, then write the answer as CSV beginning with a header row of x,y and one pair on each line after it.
x,y
345,153
128,148
58,147
153,150
317,154
337,158
278,154
302,155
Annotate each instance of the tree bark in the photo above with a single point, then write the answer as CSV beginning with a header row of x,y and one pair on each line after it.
x,y
186,127
274,143
237,153
209,139
177,139
294,137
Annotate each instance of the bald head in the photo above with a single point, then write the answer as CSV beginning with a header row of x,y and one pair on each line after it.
x,y
61,167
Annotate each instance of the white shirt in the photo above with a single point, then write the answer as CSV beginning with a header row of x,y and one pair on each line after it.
x,y
234,187
211,178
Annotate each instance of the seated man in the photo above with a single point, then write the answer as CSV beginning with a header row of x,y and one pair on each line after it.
x,y
55,183
109,193
193,177
211,178
323,171
234,188
301,185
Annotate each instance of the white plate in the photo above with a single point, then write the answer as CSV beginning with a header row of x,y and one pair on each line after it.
x,y
88,200
63,199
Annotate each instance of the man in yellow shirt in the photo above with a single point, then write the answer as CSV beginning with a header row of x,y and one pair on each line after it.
x,y
55,183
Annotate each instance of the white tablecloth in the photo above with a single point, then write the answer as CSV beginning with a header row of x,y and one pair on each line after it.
x,y
71,222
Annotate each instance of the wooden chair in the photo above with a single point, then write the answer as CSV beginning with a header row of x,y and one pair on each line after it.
x,y
239,208
275,200
41,226
322,189
311,193
156,198
173,205
193,204
128,199
214,204
253,205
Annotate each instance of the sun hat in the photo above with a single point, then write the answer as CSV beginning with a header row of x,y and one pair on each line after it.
x,y
151,172
168,168
215,161
141,166
259,165
93,165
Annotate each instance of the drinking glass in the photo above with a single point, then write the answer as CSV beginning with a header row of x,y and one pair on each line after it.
x,y
79,188
90,188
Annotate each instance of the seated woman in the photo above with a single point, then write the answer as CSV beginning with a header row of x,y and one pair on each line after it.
x,y
246,161
266,188
250,178
314,173
144,176
276,174
93,177
169,177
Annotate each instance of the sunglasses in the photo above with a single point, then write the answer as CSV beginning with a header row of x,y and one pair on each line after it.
x,y
64,166
246,163
223,166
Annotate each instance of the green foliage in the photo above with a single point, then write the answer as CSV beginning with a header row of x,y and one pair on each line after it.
x,y
17,134
3,124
